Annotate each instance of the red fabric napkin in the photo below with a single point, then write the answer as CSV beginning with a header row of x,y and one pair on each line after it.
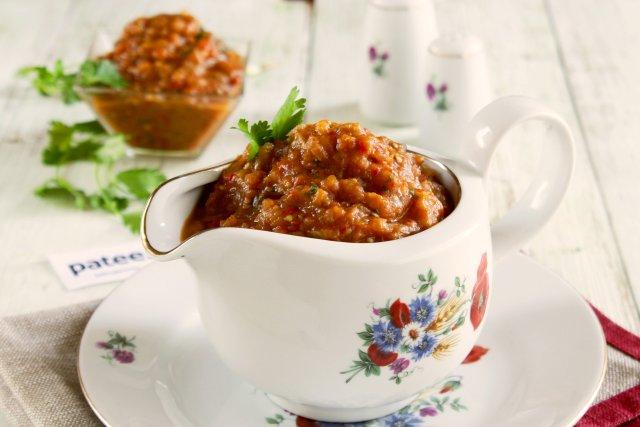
x,y
622,409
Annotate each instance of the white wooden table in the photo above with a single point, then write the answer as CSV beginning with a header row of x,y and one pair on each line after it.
x,y
580,56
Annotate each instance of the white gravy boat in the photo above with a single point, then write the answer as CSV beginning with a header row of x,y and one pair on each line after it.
x,y
346,332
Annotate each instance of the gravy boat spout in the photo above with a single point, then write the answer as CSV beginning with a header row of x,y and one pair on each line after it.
x,y
168,208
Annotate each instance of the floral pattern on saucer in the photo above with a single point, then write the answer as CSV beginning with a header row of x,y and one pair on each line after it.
x,y
117,348
402,334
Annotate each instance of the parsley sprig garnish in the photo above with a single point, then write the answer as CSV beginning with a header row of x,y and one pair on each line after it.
x,y
58,82
116,192
288,116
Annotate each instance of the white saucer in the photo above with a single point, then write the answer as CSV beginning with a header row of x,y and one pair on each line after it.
x,y
545,363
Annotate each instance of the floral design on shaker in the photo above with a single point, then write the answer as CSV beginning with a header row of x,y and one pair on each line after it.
x,y
378,60
117,348
437,94
400,335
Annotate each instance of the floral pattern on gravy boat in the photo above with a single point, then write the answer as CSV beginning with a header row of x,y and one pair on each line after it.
x,y
431,403
401,334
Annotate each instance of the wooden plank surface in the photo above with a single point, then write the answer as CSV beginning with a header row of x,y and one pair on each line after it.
x,y
547,51
599,48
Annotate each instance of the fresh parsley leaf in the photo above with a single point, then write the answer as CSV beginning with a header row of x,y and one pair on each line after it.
x,y
258,134
84,150
81,141
63,147
62,190
243,126
60,137
100,72
140,182
92,126
261,132
289,115
52,82
57,82
111,201
132,221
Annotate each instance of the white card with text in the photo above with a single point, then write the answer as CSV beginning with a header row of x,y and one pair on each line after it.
x,y
100,265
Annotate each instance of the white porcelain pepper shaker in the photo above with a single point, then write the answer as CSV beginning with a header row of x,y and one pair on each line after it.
x,y
455,87
396,36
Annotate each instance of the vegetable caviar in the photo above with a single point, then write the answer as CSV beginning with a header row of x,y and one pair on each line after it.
x,y
327,180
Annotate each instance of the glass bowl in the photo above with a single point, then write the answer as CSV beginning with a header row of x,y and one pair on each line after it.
x,y
162,123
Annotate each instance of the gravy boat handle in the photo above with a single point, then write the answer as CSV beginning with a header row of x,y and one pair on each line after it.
x,y
550,183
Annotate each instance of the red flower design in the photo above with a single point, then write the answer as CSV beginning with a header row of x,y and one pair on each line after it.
x,y
475,354
446,389
123,356
451,385
480,293
306,422
400,314
379,357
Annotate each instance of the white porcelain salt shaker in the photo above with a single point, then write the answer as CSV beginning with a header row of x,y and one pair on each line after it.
x,y
396,36
456,86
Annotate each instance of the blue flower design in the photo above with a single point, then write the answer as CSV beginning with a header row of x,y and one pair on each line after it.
x,y
424,348
387,336
401,420
422,310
